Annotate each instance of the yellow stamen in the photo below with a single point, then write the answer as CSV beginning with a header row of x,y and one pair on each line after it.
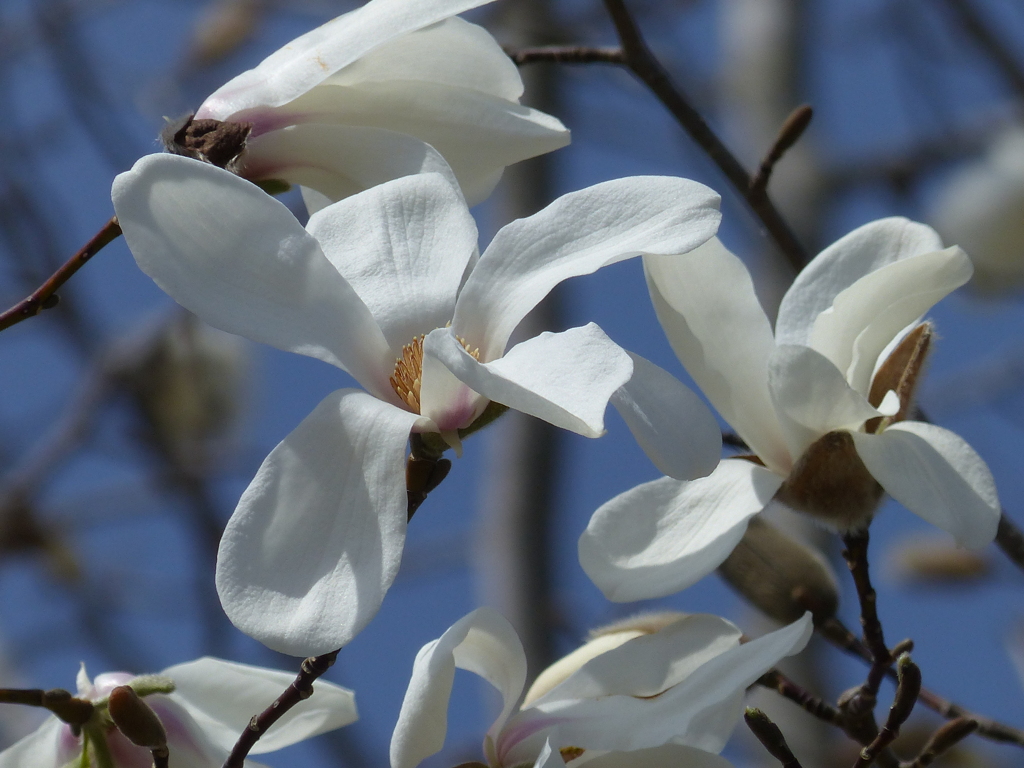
x,y
408,376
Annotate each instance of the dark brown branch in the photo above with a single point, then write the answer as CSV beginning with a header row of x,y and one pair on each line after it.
x,y
907,690
998,52
566,54
771,737
789,134
803,698
72,710
300,689
44,297
944,739
647,68
856,556
1010,539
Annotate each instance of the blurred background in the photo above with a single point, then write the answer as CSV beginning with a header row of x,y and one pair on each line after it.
x,y
128,429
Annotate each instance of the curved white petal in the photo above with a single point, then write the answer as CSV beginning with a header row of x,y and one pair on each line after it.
x,y
317,537
706,304
565,378
867,316
700,711
51,745
236,257
578,234
936,475
311,58
666,756
403,246
482,642
548,757
339,160
843,263
663,536
669,421
222,696
452,52
811,396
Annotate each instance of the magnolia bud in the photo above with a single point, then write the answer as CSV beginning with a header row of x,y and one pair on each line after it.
x,y
135,719
780,576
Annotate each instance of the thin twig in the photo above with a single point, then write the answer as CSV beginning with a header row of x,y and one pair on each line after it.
x,y
300,689
944,739
44,297
903,704
789,134
856,555
566,54
776,681
771,737
647,68
998,52
72,710
1010,539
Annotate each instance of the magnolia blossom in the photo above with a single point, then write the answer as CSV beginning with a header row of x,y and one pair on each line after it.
x,y
376,94
822,404
668,698
387,286
204,705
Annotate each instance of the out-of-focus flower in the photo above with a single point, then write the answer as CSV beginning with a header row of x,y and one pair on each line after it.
x,y
981,207
387,286
822,403
671,697
203,705
381,92
931,561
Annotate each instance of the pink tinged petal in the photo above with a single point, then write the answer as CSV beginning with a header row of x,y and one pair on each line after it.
x,y
706,304
339,160
565,378
663,536
314,56
403,247
669,421
222,696
667,756
843,263
865,318
317,537
812,398
936,475
233,255
51,745
446,401
482,642
578,234
701,711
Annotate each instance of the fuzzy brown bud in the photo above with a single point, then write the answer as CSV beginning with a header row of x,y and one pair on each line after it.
x,y
135,718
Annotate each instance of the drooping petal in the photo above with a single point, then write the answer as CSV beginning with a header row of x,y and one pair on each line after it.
x,y
936,475
578,234
311,58
843,263
867,316
565,378
482,642
339,160
236,257
701,711
51,745
317,537
812,398
666,756
222,696
403,247
706,304
663,536
669,421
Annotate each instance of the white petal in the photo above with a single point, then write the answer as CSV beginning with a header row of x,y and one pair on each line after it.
x,y
812,398
403,246
314,56
482,642
667,756
663,536
478,134
339,160
233,255
706,304
865,317
51,745
843,263
578,234
548,757
222,696
317,537
669,421
936,475
565,378
701,711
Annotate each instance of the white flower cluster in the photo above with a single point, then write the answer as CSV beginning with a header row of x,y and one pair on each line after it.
x,y
393,119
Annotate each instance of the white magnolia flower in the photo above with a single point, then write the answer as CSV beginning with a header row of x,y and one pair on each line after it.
x,y
204,705
389,275
818,402
668,698
376,94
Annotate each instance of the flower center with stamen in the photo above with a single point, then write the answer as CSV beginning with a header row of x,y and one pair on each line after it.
x,y
408,375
